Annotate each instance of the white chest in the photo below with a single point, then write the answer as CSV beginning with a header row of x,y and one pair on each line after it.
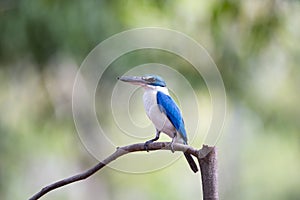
x,y
159,119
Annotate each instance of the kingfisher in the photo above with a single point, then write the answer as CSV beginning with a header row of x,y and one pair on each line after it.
x,y
162,111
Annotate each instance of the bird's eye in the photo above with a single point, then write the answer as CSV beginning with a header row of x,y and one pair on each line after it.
x,y
149,79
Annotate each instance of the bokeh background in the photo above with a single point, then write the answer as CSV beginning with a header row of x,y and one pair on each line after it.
x,y
255,45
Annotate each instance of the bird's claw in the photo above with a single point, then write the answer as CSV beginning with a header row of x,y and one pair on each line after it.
x,y
172,147
146,146
172,144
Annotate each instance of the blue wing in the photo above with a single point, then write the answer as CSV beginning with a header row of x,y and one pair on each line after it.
x,y
167,105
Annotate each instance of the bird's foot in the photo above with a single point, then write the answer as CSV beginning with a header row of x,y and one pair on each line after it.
x,y
172,143
172,147
146,145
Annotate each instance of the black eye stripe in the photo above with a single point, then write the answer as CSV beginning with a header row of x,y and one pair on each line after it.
x,y
153,80
150,79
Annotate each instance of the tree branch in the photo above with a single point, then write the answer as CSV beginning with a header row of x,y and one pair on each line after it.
x,y
209,175
120,151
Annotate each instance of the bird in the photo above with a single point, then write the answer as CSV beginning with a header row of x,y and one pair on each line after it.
x,y
162,110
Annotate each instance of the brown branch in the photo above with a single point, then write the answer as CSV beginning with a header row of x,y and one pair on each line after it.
x,y
120,151
208,167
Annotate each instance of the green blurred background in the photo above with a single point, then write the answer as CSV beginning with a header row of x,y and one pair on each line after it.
x,y
255,45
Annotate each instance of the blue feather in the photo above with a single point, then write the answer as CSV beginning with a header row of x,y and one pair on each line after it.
x,y
168,106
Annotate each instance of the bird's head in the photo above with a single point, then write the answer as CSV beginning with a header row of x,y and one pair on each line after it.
x,y
147,80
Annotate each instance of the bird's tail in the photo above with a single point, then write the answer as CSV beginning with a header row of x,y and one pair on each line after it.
x,y
191,162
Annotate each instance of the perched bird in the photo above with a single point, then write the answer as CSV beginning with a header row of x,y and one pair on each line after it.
x,y
162,111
